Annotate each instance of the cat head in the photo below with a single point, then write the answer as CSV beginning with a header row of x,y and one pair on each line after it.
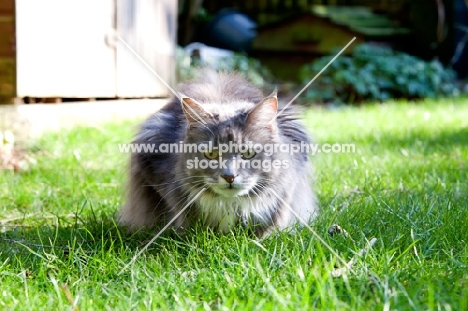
x,y
231,137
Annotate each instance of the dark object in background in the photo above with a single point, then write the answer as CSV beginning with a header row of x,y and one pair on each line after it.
x,y
460,57
231,30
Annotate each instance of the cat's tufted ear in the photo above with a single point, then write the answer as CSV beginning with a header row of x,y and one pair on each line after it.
x,y
264,114
274,93
194,112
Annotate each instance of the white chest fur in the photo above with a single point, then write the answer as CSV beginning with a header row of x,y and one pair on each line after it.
x,y
225,213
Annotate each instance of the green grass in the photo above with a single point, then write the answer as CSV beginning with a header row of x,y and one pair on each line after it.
x,y
406,185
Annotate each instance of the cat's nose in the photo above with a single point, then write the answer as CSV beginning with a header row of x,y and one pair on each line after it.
x,y
228,178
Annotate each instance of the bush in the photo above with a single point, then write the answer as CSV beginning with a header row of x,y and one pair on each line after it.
x,y
187,67
378,73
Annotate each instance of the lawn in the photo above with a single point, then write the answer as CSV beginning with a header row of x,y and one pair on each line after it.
x,y
405,185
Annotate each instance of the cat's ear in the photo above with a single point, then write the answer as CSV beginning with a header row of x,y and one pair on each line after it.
x,y
274,93
264,114
194,112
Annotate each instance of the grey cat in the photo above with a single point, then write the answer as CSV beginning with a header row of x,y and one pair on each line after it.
x,y
237,187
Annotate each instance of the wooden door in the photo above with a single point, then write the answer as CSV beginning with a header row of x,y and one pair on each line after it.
x,y
149,27
62,49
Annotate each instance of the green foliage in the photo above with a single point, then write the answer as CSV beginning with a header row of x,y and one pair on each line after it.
x,y
378,73
187,67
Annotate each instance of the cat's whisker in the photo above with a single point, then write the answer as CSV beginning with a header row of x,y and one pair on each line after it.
x,y
251,202
229,110
206,127
261,187
188,191
162,230
180,186
254,190
270,215
172,182
266,189
306,224
185,199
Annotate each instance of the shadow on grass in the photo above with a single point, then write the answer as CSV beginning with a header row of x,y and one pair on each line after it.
x,y
90,236
371,211
29,246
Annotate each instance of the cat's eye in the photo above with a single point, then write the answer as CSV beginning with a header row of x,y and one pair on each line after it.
x,y
248,154
211,154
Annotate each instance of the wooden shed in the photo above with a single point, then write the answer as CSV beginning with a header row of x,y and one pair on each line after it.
x,y
302,37
54,49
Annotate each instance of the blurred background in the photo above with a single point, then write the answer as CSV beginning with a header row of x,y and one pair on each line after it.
x,y
296,29
57,51
403,48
